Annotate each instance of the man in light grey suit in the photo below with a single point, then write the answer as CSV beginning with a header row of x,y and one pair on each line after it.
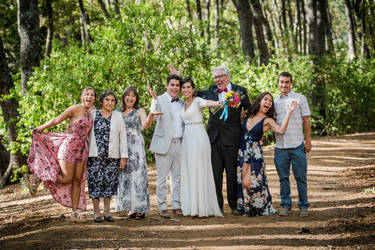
x,y
166,144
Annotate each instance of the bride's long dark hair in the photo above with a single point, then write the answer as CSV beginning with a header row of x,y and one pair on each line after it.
x,y
254,109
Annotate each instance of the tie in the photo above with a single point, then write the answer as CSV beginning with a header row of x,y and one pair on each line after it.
x,y
175,99
225,90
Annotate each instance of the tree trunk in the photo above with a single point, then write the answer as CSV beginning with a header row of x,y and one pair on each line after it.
x,y
47,4
208,10
270,16
28,30
283,15
359,7
372,26
245,19
4,159
364,48
199,12
189,10
104,8
328,28
304,27
9,107
115,4
298,34
258,24
317,47
85,21
217,22
199,9
291,19
268,32
222,7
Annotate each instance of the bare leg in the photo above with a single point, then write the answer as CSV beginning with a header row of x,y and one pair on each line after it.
x,y
95,202
107,207
76,185
246,172
67,173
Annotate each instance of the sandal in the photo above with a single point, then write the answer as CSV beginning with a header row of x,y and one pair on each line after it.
x,y
76,216
33,184
139,216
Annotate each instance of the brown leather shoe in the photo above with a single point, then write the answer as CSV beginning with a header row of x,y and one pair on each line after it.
x,y
177,212
164,214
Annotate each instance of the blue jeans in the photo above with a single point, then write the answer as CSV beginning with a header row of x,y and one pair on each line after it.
x,y
283,158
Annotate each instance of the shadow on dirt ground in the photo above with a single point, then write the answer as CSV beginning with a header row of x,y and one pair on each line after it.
x,y
342,214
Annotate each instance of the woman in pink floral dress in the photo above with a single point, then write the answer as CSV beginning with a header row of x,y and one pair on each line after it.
x,y
59,159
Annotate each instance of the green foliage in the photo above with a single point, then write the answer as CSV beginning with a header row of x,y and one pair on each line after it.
x,y
350,95
18,173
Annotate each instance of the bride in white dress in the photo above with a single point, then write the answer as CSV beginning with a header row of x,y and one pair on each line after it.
x,y
198,194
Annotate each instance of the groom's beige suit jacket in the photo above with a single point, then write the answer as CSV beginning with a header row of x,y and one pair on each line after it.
x,y
163,134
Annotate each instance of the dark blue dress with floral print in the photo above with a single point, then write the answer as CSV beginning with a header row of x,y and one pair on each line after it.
x,y
259,202
102,172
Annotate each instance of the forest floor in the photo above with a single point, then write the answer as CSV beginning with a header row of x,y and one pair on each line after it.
x,y
341,216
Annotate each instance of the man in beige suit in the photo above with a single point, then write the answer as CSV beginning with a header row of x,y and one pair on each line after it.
x,y
166,144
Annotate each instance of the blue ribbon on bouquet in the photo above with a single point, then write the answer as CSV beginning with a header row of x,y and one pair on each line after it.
x,y
225,113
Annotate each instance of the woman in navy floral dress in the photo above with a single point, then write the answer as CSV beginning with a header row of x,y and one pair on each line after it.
x,y
108,143
251,168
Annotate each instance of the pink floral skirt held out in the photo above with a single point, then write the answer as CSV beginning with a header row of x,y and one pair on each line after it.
x,y
46,151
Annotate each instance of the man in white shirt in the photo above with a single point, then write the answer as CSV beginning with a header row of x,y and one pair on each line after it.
x,y
166,144
292,146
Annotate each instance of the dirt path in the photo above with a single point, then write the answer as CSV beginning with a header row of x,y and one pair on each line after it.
x,y
341,214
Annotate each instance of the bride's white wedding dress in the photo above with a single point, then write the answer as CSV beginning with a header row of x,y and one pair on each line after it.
x,y
198,193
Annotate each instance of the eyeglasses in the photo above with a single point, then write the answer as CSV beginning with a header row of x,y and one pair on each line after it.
x,y
219,76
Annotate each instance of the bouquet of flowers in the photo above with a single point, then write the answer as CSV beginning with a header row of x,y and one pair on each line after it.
x,y
232,99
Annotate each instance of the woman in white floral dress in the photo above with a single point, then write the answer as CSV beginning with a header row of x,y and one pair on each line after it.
x,y
251,173
132,194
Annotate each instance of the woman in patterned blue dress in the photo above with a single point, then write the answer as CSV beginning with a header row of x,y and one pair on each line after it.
x,y
132,194
251,173
108,144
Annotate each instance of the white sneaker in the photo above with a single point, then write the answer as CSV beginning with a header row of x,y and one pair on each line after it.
x,y
285,211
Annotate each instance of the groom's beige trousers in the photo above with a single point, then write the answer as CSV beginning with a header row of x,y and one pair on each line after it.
x,y
169,164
